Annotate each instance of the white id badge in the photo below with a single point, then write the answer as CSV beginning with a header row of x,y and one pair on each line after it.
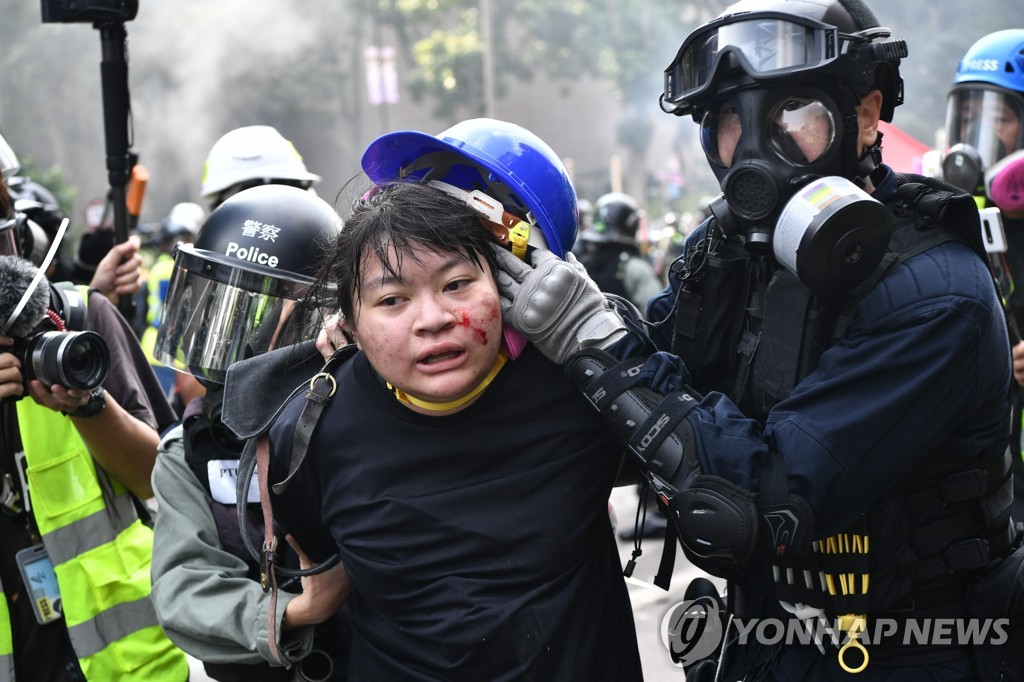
x,y
222,474
40,583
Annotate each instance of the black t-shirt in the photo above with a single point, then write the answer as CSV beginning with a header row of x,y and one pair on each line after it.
x,y
43,652
479,543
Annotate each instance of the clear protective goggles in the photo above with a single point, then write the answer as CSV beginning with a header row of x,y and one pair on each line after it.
x,y
766,45
800,131
988,119
216,314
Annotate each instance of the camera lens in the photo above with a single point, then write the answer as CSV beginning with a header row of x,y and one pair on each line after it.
x,y
77,360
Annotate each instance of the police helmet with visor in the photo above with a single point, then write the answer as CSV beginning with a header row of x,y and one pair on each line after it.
x,y
237,290
38,216
182,222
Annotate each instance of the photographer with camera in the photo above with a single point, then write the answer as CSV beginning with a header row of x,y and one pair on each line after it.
x,y
74,460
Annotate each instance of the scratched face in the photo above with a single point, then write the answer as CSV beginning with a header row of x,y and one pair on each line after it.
x,y
435,330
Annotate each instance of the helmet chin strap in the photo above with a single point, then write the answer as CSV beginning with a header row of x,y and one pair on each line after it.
x,y
507,228
869,162
404,397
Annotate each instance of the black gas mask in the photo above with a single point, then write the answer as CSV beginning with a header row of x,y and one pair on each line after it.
x,y
781,156
763,144
776,95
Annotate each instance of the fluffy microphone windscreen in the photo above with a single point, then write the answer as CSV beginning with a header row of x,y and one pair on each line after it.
x,y
15,276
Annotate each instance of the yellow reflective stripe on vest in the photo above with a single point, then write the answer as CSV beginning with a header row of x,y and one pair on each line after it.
x,y
112,574
94,530
101,554
6,644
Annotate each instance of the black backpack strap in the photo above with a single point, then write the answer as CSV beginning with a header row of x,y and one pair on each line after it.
x,y
321,388
256,453
258,388
926,213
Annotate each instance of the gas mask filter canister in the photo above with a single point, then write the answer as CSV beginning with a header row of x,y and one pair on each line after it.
x,y
831,235
1004,182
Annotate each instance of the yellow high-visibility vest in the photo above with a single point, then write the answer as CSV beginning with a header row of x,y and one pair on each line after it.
x,y
156,288
6,643
101,554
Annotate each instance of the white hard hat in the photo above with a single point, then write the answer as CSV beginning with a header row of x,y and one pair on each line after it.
x,y
184,218
251,153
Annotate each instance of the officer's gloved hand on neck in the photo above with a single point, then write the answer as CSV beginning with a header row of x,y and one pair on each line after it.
x,y
555,305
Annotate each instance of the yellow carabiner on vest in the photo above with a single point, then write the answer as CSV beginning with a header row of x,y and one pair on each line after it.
x,y
853,625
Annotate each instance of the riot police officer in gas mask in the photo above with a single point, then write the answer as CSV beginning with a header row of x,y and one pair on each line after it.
x,y
827,421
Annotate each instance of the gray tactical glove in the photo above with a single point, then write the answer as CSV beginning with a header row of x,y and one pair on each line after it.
x,y
555,305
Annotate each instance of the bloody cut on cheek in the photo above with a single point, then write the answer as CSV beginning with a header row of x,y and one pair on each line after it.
x,y
479,334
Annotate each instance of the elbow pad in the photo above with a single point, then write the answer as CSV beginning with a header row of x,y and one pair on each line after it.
x,y
717,521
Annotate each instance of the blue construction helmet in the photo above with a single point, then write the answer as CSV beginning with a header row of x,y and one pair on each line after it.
x,y
503,160
985,108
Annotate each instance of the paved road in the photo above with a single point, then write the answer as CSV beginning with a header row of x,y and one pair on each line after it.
x,y
650,603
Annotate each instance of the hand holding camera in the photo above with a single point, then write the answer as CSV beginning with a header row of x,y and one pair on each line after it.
x,y
11,384
40,349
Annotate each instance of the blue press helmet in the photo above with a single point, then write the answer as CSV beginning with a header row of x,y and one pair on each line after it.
x,y
500,159
996,59
985,108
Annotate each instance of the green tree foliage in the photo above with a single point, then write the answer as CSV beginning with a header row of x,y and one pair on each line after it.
x,y
54,179
199,69
626,42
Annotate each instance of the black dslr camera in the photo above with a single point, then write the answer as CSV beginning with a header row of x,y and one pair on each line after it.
x,y
88,11
73,359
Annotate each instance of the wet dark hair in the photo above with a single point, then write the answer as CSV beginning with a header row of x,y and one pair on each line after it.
x,y
393,221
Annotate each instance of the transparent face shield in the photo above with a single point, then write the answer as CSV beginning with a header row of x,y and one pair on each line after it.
x,y
988,120
216,314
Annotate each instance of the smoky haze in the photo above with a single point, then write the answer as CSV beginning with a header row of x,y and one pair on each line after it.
x,y
198,69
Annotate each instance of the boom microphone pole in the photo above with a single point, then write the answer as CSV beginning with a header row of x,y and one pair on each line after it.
x,y
109,17
114,80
